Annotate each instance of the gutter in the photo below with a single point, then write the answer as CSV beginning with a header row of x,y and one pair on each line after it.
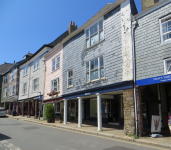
x,y
134,25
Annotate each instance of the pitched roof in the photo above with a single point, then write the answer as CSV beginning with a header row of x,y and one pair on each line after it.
x,y
4,68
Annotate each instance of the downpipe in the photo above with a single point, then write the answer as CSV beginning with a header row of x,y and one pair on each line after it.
x,y
134,74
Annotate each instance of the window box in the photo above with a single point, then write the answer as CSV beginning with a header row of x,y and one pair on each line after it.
x,y
94,33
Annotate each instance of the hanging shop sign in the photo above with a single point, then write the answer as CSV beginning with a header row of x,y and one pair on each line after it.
x,y
156,124
154,80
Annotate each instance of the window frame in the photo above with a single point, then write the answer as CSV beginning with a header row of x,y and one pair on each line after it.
x,y
56,104
12,90
161,29
33,86
24,93
56,62
25,71
69,78
57,84
12,74
98,32
5,92
37,64
6,78
99,70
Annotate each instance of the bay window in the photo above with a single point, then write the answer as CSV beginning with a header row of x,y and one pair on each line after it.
x,y
94,33
95,69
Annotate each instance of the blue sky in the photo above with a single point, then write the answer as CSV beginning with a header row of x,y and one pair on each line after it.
x,y
25,25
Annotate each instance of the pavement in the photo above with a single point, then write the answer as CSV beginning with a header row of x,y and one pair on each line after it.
x,y
108,131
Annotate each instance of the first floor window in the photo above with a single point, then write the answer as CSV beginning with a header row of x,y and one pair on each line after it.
x,y
94,69
70,78
55,85
25,88
5,92
11,90
36,65
55,63
35,84
94,33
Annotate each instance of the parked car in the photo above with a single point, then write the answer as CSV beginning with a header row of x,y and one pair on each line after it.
x,y
2,112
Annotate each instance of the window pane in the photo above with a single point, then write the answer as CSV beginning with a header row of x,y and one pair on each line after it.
x,y
87,66
168,65
96,63
70,74
70,82
101,61
87,77
93,29
102,72
88,42
87,33
94,74
57,65
92,64
94,39
58,59
101,35
100,24
164,25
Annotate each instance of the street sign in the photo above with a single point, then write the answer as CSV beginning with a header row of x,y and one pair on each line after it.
x,y
40,97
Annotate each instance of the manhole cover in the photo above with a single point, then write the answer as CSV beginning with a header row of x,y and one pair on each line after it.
x,y
30,128
118,148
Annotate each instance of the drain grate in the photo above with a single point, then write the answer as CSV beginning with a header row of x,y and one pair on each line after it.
x,y
118,148
31,128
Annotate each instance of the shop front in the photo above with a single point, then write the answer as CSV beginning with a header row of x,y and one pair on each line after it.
x,y
154,99
102,105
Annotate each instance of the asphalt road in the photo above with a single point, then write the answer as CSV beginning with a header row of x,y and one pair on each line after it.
x,y
19,135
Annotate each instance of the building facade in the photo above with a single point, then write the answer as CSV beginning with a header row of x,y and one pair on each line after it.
x,y
97,68
153,57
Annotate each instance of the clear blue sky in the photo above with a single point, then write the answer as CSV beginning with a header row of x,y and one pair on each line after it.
x,y
25,25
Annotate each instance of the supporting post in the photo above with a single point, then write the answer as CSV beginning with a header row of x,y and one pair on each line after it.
x,y
99,112
29,109
17,108
79,112
44,106
65,111
9,108
36,109
23,109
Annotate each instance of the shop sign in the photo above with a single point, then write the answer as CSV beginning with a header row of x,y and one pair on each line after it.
x,y
156,124
154,80
87,93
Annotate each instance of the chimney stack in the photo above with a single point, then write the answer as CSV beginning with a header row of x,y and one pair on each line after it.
x,y
147,3
14,61
72,27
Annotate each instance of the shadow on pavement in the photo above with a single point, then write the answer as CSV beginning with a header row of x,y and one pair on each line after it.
x,y
4,137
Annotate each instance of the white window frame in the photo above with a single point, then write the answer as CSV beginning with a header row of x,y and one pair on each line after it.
x,y
25,71
52,84
12,74
5,92
161,30
68,78
56,64
11,90
36,64
24,92
98,32
33,86
6,78
165,66
99,68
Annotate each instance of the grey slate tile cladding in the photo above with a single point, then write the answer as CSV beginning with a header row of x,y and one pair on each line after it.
x,y
149,51
75,56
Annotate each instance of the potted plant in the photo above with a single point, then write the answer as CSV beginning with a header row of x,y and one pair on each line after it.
x,y
53,93
49,113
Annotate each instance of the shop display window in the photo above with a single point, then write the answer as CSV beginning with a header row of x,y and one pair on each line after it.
x,y
57,107
72,109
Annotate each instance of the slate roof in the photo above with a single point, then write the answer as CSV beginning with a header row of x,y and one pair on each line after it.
x,y
4,68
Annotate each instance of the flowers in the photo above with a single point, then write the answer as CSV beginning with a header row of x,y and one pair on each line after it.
x,y
52,93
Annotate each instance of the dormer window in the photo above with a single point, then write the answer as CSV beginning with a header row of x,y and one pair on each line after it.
x,y
94,33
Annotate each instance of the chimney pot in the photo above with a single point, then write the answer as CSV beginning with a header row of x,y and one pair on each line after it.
x,y
14,61
76,26
70,22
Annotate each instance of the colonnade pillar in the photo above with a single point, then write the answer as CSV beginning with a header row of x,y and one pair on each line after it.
x,y
23,109
79,112
99,112
65,111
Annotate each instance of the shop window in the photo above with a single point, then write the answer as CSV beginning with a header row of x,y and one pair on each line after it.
x,y
167,66
94,33
70,78
57,107
55,85
95,69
